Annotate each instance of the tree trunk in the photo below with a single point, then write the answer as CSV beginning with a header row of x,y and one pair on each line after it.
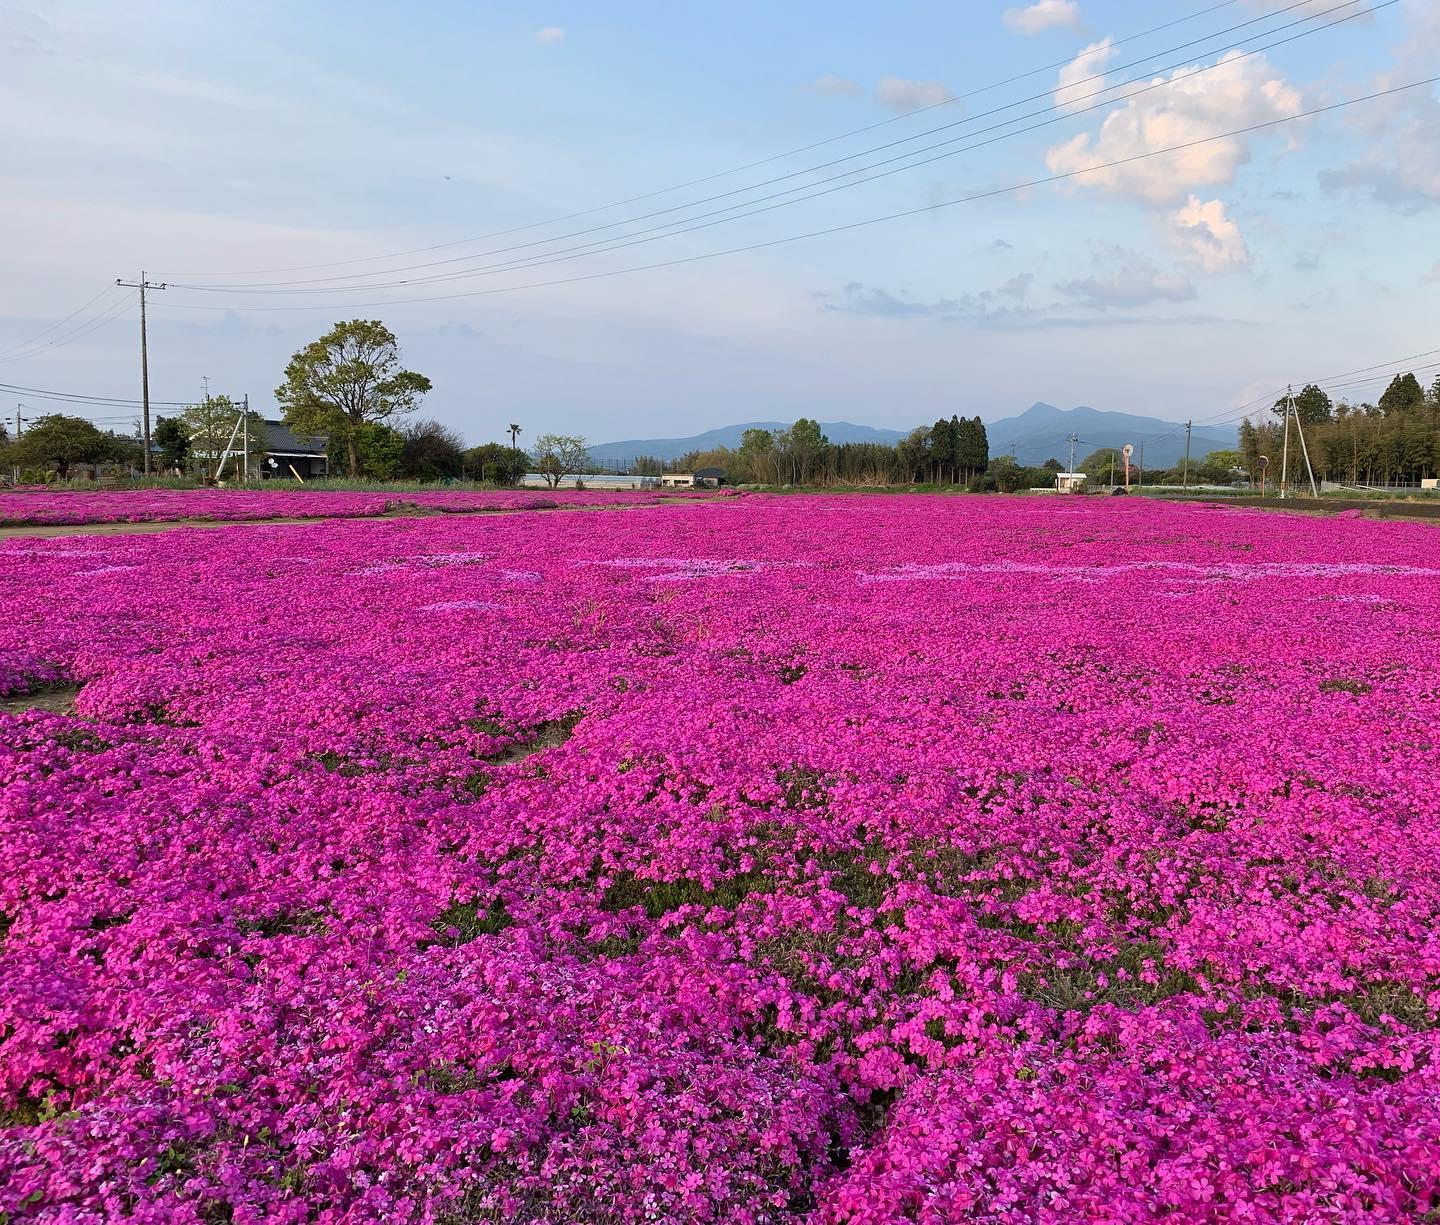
x,y
353,454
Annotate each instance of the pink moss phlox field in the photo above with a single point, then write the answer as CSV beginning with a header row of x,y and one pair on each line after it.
x,y
841,860
239,505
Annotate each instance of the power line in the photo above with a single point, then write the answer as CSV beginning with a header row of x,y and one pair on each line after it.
x,y
20,346
854,225
846,179
45,393
733,170
79,332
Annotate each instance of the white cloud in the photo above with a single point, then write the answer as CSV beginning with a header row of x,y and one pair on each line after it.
x,y
836,86
1208,237
1238,92
550,34
898,94
1401,165
1075,88
1136,282
1044,15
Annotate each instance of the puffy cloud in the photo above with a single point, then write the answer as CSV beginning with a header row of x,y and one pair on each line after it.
x,y
550,34
1075,88
898,94
1044,15
987,306
840,87
1401,167
1238,92
1135,283
1208,237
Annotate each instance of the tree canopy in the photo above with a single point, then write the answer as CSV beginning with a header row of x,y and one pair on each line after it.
x,y
60,441
560,455
352,376
211,426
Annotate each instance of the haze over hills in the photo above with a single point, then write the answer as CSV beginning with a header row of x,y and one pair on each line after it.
x,y
609,454
1037,434
1040,433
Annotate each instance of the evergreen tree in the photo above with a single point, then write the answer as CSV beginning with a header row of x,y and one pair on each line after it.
x,y
1402,396
982,447
943,445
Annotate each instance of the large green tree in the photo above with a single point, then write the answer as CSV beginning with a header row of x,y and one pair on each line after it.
x,y
174,443
1312,405
215,424
352,376
801,449
1402,396
433,452
379,450
756,459
58,441
496,463
560,455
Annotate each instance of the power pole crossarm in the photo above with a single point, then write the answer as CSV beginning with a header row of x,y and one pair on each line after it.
x,y
142,285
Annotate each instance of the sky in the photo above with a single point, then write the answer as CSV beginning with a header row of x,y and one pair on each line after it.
x,y
284,166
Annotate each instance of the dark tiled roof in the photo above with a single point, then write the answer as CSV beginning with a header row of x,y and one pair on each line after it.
x,y
280,439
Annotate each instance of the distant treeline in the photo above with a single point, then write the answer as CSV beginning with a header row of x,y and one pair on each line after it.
x,y
950,452
1395,441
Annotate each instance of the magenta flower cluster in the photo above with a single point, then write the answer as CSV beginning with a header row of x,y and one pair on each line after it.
x,y
67,507
773,859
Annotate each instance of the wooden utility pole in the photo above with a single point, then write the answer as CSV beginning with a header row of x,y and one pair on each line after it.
x,y
1185,480
1285,450
142,285
246,418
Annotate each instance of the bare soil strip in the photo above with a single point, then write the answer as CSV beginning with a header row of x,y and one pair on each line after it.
x,y
59,700
1371,509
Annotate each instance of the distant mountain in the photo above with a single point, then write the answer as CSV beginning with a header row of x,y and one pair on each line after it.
x,y
1041,431
1037,434
611,454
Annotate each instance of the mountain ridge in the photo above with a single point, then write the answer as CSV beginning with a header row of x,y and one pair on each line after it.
x,y
1038,433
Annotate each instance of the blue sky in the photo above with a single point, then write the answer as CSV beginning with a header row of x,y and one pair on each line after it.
x,y
214,143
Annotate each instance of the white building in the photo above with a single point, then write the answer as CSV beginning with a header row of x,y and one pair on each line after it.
x,y
1069,482
600,480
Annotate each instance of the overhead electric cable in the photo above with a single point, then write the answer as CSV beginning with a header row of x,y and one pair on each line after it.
x,y
847,178
22,345
853,225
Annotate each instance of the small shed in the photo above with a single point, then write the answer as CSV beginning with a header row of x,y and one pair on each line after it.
x,y
289,454
709,478
677,480
1069,482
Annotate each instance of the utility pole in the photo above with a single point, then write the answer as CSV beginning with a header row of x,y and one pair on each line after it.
x,y
1072,439
1185,480
1285,450
142,285
246,418
1141,478
1304,448
18,420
